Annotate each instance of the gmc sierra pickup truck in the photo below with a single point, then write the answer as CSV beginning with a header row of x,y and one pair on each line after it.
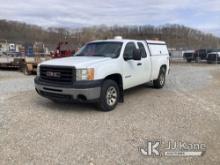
x,y
101,70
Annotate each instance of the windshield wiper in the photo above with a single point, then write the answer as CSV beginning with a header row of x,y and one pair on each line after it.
x,y
99,55
79,55
94,55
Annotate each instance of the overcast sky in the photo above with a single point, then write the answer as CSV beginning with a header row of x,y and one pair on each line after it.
x,y
200,14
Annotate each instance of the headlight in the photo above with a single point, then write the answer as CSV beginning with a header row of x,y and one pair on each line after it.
x,y
38,70
85,74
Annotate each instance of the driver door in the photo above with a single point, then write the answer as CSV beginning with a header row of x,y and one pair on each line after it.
x,y
131,68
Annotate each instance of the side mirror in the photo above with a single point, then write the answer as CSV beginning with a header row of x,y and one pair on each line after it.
x,y
137,55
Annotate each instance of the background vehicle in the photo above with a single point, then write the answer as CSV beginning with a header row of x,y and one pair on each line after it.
x,y
198,55
213,57
101,70
24,57
63,49
188,55
201,54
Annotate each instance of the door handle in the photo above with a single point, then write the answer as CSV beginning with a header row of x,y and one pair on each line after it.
x,y
139,64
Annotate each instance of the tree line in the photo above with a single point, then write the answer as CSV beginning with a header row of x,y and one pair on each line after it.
x,y
176,36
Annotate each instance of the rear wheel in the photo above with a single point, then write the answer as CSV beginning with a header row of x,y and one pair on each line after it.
x,y
188,60
109,95
160,82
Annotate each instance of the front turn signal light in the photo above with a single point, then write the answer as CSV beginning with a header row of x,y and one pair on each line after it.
x,y
90,73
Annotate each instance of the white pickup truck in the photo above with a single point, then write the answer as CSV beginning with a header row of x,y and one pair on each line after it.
x,y
101,70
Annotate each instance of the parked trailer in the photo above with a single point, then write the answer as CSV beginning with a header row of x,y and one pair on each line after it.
x,y
9,62
28,65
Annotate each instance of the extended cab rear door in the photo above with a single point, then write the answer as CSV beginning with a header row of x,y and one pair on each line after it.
x,y
145,62
135,72
129,66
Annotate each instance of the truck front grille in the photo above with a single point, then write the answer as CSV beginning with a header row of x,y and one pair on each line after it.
x,y
58,74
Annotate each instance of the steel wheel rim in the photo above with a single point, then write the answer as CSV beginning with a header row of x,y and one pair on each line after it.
x,y
162,79
111,96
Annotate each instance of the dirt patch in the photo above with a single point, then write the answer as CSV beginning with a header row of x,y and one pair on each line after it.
x,y
34,130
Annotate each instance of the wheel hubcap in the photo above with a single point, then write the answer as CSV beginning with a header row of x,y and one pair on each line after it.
x,y
111,96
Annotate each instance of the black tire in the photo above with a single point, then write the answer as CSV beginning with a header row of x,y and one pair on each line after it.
x,y
109,96
198,59
25,70
189,60
161,80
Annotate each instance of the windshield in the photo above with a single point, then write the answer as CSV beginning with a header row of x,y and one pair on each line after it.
x,y
101,49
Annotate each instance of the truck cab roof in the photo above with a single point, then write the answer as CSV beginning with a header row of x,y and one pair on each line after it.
x,y
118,39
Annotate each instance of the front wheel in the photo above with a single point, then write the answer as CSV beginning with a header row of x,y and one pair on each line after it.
x,y
160,82
109,95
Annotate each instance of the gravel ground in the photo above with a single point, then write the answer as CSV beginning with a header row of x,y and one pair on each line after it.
x,y
34,130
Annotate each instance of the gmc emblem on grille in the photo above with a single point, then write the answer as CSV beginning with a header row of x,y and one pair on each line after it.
x,y
53,74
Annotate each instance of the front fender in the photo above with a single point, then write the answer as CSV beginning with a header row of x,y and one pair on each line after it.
x,y
105,69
